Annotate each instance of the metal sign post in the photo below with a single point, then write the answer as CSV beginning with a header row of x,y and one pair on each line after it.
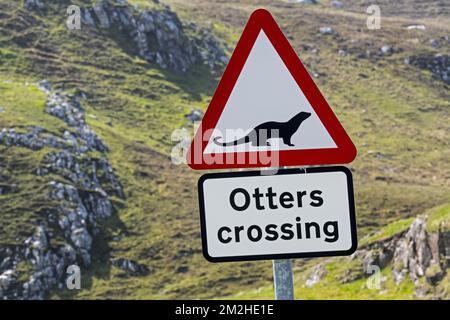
x,y
283,279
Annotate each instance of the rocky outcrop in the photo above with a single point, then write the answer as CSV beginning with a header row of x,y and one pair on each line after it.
x,y
36,138
337,4
415,253
156,35
80,198
49,264
386,50
7,278
130,267
318,272
438,65
68,109
70,166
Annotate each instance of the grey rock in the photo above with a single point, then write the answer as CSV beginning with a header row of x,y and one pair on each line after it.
x,y
304,1
81,238
34,4
159,35
68,109
36,139
434,273
45,86
415,27
82,200
100,205
444,246
182,269
68,252
386,50
87,17
127,19
434,43
89,173
48,264
413,254
7,263
195,115
7,278
438,65
131,267
379,256
337,4
101,14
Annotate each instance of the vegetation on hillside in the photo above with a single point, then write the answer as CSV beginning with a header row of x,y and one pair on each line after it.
x,y
398,116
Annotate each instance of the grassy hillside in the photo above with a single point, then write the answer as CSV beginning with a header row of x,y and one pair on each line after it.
x,y
342,278
397,115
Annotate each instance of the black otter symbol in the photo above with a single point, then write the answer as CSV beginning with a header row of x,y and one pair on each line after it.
x,y
259,135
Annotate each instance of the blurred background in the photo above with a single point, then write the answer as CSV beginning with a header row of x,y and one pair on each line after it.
x,y
92,91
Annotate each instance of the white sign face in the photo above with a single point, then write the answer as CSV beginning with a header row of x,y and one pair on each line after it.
x,y
291,214
266,91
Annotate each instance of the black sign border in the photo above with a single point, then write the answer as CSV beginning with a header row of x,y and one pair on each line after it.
x,y
223,175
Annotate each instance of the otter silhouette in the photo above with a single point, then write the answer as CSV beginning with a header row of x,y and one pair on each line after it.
x,y
259,135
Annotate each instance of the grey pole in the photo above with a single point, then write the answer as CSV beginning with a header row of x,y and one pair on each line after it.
x,y
283,279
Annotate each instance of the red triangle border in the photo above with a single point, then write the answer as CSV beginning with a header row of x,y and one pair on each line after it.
x,y
261,19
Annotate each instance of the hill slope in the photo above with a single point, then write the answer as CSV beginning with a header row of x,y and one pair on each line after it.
x,y
147,245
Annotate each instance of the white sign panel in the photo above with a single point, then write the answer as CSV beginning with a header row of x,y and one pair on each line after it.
x,y
290,214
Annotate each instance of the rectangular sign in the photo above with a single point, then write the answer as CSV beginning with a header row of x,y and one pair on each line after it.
x,y
295,213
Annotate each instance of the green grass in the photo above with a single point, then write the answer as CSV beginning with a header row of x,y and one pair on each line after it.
x,y
145,4
330,287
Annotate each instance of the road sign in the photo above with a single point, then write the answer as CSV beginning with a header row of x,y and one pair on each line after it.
x,y
294,213
267,111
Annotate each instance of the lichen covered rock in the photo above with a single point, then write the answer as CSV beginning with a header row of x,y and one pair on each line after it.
x,y
76,203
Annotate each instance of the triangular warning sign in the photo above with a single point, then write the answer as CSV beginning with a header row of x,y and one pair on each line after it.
x,y
267,111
